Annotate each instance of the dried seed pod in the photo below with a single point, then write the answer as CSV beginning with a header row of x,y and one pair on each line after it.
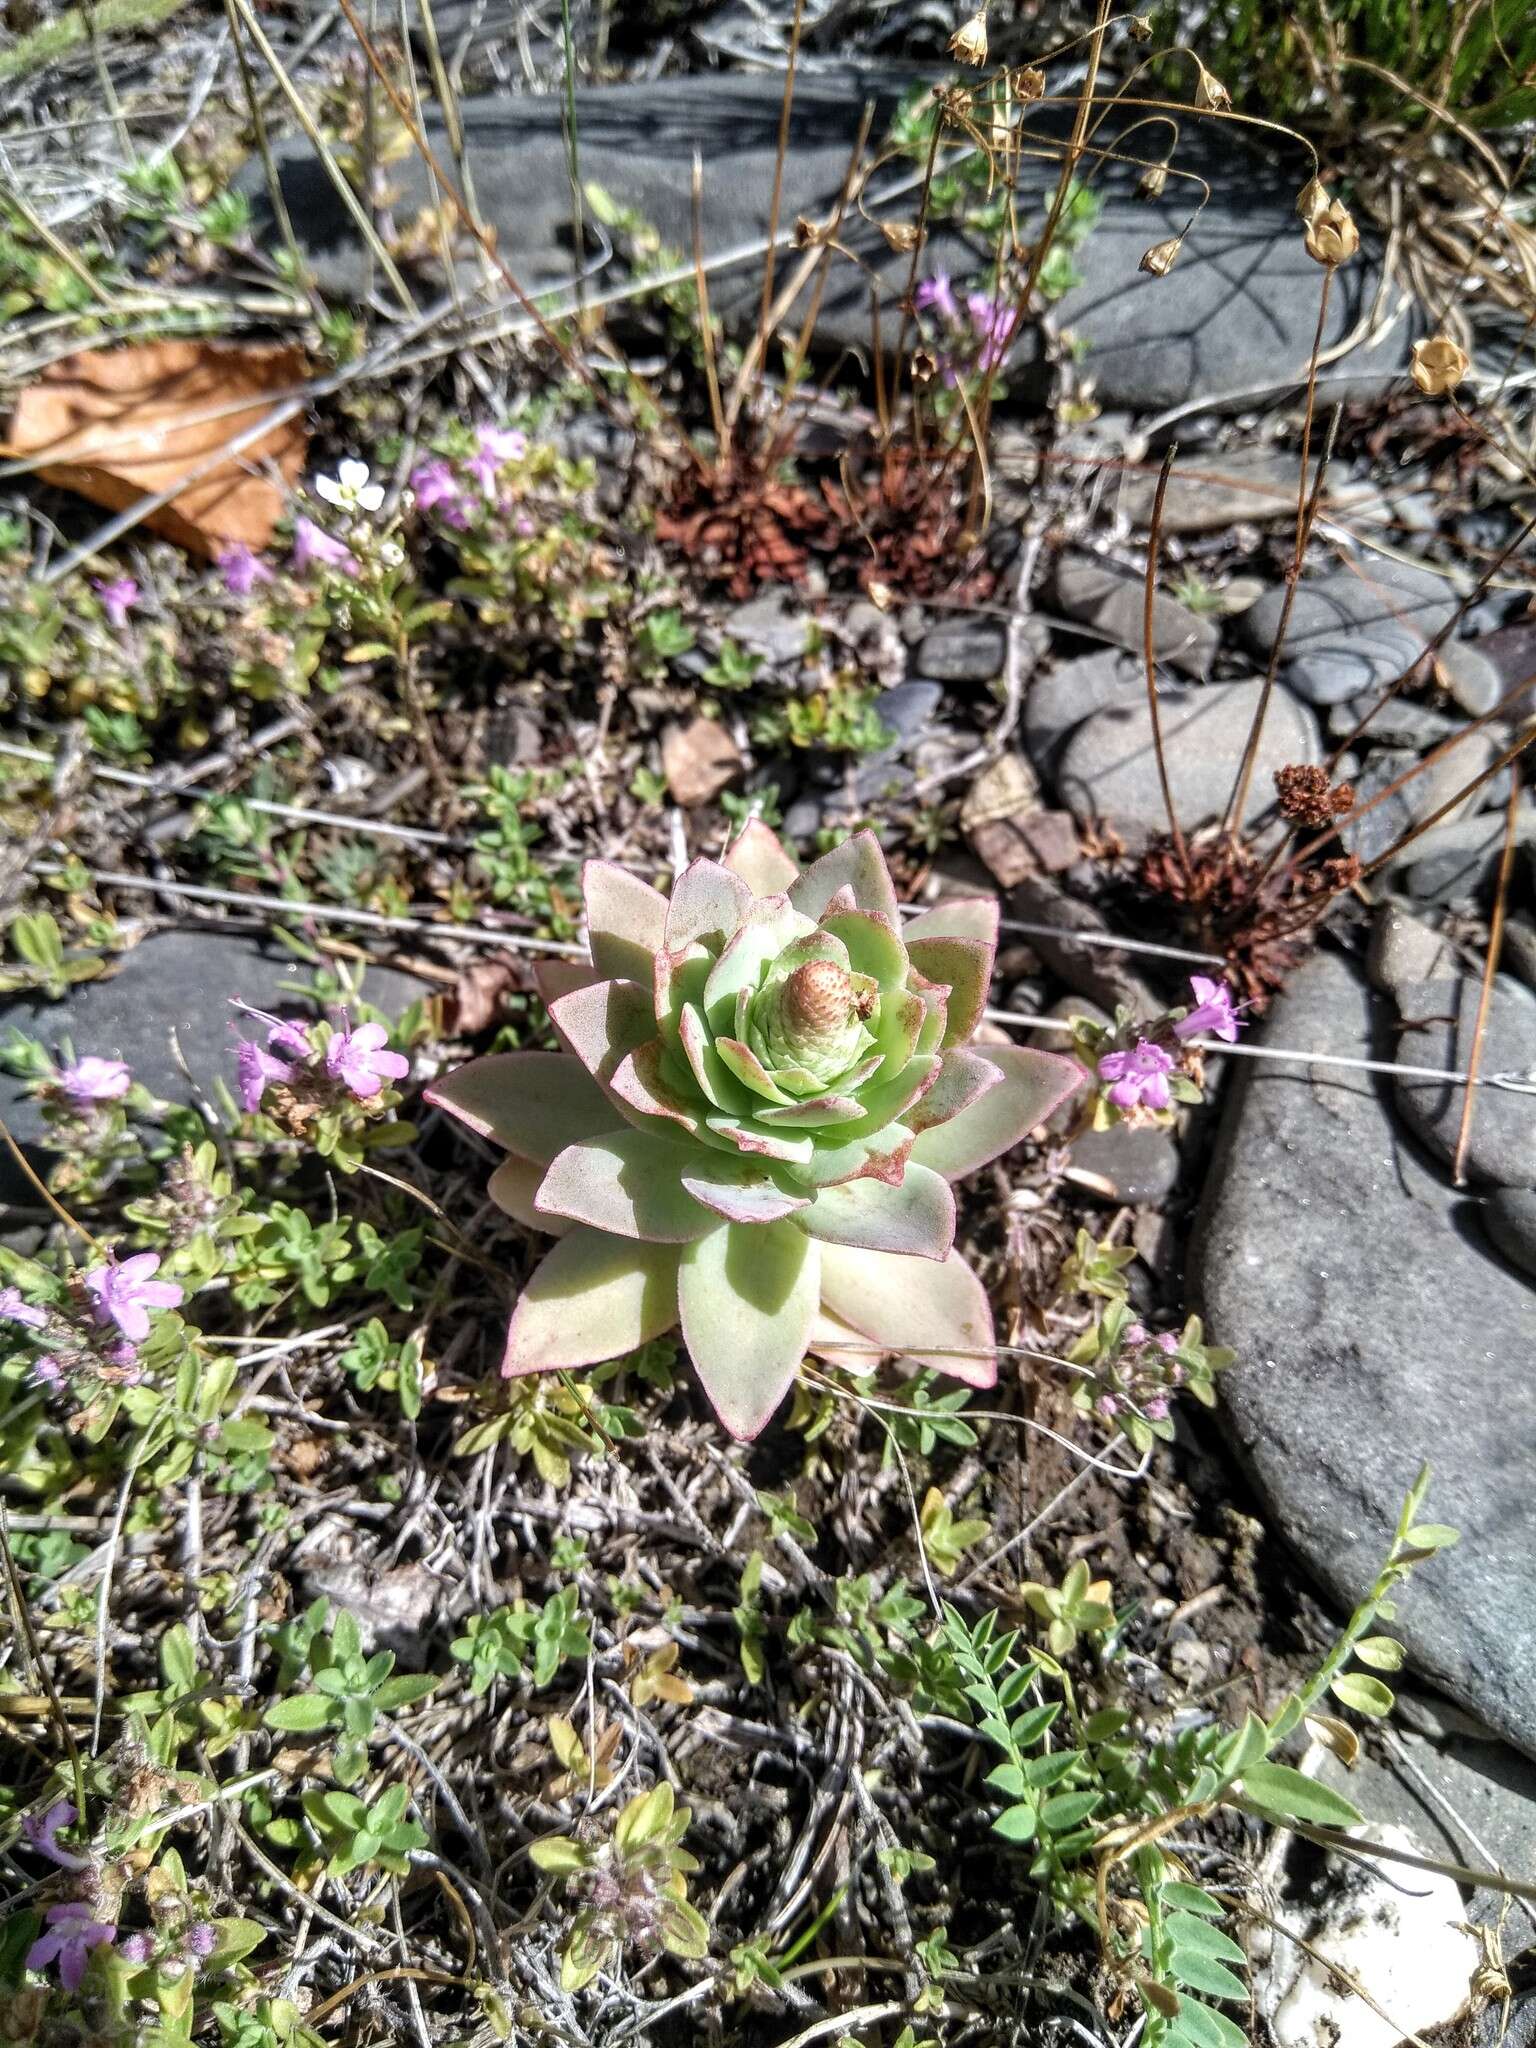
x,y
969,41
1307,798
1162,256
1332,237
1029,83
1152,180
899,235
1312,198
1438,365
1211,96
1140,26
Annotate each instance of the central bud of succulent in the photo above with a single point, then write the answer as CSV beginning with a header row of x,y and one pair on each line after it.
x,y
808,1022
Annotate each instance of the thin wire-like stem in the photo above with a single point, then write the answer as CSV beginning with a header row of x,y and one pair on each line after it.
x,y
1308,499
339,179
1490,968
706,324
1149,653
765,307
573,151
263,138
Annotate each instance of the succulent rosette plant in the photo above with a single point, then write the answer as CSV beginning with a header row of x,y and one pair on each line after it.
x,y
767,1092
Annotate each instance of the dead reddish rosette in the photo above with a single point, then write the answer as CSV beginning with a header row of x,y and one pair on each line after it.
x,y
767,1092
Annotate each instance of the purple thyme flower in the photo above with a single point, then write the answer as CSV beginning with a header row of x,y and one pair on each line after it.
x,y
70,1937
95,1080
42,1832
13,1309
994,324
1139,1077
435,484
257,1069
937,292
46,1371
118,599
125,1293
136,1948
312,543
493,447
1107,1406
1215,1011
202,1939
358,1060
1156,1410
243,569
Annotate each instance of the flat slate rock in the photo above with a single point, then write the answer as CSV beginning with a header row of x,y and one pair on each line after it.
x,y
1375,1334
1509,1217
1439,1020
1235,319
172,985
1108,767
1354,629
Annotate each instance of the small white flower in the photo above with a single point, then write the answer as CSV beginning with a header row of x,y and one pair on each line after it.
x,y
349,490
391,554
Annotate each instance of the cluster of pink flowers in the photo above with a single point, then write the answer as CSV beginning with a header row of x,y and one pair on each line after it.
x,y
84,1084
118,598
1140,1077
980,336
354,1062
100,1340
1146,1372
72,1930
456,493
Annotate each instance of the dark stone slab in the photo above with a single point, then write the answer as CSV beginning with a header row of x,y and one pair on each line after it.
x,y
1236,315
171,991
1375,1334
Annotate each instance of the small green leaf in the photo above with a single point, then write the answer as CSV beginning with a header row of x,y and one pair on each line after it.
x,y
303,1714
1189,1898
1432,1536
1382,1653
1365,1694
1192,1936
1018,1824
559,1855
1290,1795
1204,1973
1205,2028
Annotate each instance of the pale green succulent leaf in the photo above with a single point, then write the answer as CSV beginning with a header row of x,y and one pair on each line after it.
x,y
748,1295
534,1103
769,926
629,1182
1033,1084
593,1297
915,1216
857,865
964,967
643,1094
820,1112
711,1076
749,1069
936,1314
886,1102
678,979
930,1037
963,1075
708,905
556,978
961,917
874,945
760,857
747,1136
626,921
740,1191
881,1155
604,1024
897,1029
512,1188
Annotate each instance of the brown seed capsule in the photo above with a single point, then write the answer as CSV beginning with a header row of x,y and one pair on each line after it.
x,y
1312,198
1162,256
1152,180
969,41
1140,26
1438,365
899,235
1028,83
1332,237
1211,96
1307,798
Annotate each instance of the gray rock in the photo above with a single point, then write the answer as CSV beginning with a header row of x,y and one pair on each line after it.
x,y
1404,949
1398,723
1439,1023
1419,798
1352,630
1057,703
1519,954
1234,320
1471,678
1453,862
1138,1165
1374,1334
1109,766
909,710
1512,651
1101,973
1217,489
177,985
1509,1217
771,626
962,650
1109,598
